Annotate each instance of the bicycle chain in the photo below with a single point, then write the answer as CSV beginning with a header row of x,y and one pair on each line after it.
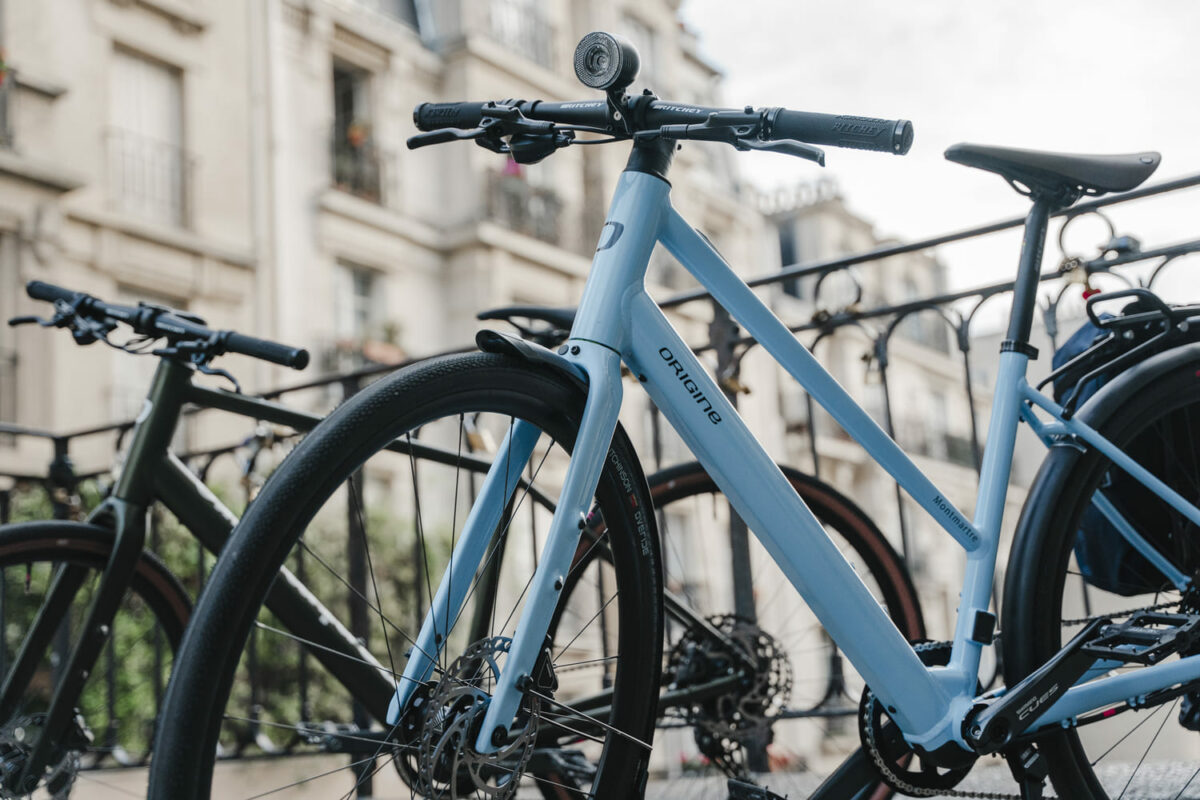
x,y
1116,614
898,783
915,791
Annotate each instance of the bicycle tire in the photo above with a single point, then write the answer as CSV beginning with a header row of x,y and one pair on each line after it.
x,y
408,403
156,605
1043,580
877,561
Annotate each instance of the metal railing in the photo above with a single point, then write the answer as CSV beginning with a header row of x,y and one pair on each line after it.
x,y
60,490
149,177
358,168
957,310
8,81
522,26
522,207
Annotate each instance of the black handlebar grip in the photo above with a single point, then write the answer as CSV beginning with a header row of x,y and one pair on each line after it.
x,y
294,357
840,130
432,116
39,290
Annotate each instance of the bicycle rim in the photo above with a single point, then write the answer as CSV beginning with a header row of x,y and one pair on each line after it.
x,y
1120,752
377,532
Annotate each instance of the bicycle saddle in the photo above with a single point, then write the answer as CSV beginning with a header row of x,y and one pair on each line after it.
x,y
559,317
1059,174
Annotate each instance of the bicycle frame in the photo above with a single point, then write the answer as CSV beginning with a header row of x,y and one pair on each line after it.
x,y
151,472
617,321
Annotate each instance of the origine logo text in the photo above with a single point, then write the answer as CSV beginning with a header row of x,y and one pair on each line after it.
x,y
689,385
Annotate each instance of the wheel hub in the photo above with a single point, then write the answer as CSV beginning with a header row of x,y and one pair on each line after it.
x,y
449,766
18,737
725,724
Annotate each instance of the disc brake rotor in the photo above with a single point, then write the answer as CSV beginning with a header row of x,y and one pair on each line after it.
x,y
18,737
449,766
744,713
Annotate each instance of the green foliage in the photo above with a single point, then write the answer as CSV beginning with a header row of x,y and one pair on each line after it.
x,y
278,680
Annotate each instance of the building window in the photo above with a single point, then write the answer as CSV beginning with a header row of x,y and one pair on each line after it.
x,y
9,291
400,10
788,256
362,332
148,167
522,26
524,200
926,328
356,162
8,78
132,375
645,42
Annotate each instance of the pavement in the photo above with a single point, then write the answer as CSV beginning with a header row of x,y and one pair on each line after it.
x,y
1155,782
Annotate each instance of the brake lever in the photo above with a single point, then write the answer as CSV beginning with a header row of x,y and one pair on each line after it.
x,y
789,147
443,135
15,321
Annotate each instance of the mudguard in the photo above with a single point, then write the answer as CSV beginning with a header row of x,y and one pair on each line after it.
x,y
506,344
1038,515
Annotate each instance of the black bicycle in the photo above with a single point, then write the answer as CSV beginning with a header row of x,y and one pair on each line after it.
x,y
60,579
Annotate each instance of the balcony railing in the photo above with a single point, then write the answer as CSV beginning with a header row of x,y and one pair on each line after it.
x,y
357,169
8,79
149,177
532,210
8,389
522,26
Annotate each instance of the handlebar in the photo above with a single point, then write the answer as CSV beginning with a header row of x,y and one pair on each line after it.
x,y
773,124
176,327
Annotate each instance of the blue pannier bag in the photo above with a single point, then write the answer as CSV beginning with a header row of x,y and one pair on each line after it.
x,y
1105,559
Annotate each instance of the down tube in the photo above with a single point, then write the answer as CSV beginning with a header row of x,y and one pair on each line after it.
x,y
785,526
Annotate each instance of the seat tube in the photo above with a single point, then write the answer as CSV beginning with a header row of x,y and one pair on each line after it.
x,y
1015,352
1020,323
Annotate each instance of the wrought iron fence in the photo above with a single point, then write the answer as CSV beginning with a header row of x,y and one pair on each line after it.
x,y
956,310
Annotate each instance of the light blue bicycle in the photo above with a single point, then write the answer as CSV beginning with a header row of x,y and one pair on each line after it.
x,y
480,696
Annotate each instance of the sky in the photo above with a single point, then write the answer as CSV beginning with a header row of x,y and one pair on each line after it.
x,y
1063,75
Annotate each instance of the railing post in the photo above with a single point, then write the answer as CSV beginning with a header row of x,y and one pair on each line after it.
x,y
964,345
881,356
356,574
60,479
722,333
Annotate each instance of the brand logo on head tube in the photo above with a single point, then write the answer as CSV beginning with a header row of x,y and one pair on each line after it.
x,y
690,385
608,237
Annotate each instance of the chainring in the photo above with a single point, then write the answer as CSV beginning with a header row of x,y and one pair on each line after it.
x,y
449,766
723,725
17,739
897,764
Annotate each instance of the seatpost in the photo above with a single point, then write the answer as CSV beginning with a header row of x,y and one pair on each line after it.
x,y
1020,324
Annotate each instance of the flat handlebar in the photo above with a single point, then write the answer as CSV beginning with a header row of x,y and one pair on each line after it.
x,y
154,321
835,130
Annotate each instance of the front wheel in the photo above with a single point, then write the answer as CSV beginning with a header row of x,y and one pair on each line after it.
x,y
1116,752
372,531
120,697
